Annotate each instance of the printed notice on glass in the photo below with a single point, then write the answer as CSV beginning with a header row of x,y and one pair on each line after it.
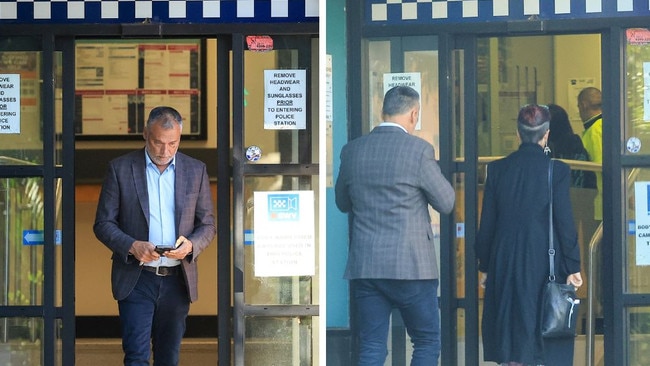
x,y
642,211
284,241
9,103
411,79
285,95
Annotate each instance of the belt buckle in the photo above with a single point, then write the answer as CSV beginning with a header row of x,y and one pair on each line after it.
x,y
158,272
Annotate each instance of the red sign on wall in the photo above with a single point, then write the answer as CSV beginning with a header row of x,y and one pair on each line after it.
x,y
259,43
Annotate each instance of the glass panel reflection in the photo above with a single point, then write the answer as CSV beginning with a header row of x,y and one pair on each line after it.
x,y
458,101
378,65
21,239
639,336
426,63
21,341
460,343
637,67
279,341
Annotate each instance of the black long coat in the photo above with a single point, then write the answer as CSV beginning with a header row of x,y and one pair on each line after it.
x,y
512,248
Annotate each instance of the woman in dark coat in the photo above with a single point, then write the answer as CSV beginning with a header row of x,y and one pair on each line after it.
x,y
512,247
565,144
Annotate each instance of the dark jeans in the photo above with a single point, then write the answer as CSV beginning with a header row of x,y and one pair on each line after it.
x,y
417,301
153,316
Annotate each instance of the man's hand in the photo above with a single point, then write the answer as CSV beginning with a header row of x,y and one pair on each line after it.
x,y
183,248
144,251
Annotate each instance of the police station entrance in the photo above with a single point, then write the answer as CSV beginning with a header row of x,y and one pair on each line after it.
x,y
472,86
70,104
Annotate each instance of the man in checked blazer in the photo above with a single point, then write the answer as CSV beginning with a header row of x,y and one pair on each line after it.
x,y
386,182
155,197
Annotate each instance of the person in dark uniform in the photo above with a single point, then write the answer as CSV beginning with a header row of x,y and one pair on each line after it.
x,y
512,247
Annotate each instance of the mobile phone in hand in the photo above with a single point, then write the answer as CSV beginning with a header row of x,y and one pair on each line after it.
x,y
161,250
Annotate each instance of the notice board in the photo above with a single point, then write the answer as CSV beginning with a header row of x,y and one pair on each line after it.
x,y
117,83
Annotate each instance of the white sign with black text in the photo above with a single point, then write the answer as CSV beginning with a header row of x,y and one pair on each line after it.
x,y
9,103
285,95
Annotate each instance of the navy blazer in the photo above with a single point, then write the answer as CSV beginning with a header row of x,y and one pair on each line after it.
x,y
123,216
387,180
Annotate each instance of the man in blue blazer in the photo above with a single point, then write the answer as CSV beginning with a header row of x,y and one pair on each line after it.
x,y
155,214
386,182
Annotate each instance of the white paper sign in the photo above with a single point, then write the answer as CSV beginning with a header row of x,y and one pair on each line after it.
x,y
285,95
646,92
284,243
411,79
642,211
9,103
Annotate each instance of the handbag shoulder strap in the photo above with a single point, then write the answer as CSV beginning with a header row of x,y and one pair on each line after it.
x,y
551,250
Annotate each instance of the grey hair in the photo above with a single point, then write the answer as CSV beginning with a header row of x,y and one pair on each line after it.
x,y
532,122
167,117
399,100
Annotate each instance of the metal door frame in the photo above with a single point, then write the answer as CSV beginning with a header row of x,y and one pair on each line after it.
x,y
451,36
50,172
62,38
241,169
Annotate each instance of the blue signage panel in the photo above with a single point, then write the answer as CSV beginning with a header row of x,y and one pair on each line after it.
x,y
35,237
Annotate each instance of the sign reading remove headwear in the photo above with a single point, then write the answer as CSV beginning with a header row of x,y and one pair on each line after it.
x,y
285,96
9,103
284,238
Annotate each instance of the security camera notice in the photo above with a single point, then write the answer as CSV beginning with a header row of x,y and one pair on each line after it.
x,y
285,95
284,237
9,103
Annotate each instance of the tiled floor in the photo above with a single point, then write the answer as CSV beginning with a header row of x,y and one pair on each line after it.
x,y
100,352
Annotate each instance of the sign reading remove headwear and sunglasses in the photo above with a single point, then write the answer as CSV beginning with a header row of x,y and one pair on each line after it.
x,y
285,96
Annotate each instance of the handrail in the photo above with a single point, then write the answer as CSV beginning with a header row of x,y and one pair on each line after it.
x,y
594,243
574,164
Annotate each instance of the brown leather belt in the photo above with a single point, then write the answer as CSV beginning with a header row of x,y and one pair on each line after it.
x,y
163,271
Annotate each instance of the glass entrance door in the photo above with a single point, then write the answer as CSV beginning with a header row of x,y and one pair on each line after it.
x,y
276,200
493,78
36,190
634,284
412,61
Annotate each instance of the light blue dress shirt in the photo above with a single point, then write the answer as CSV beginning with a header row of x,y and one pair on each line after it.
x,y
162,229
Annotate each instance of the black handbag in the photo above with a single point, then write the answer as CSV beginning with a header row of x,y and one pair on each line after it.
x,y
560,304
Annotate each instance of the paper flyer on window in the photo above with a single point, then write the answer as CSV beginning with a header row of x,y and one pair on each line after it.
x,y
642,222
284,239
